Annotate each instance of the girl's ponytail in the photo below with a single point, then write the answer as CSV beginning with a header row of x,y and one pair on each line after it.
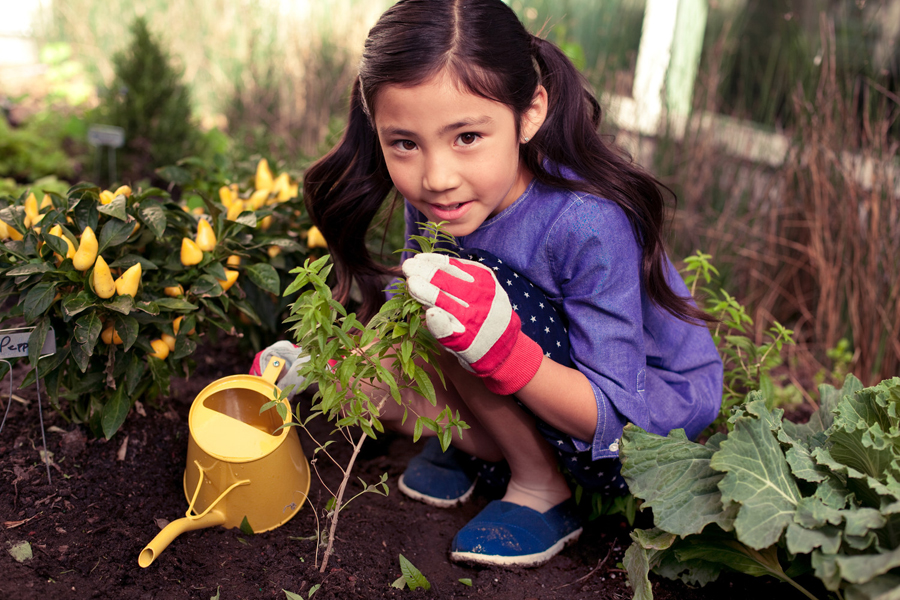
x,y
343,192
569,136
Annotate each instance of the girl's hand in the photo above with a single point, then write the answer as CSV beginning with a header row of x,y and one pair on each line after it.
x,y
469,313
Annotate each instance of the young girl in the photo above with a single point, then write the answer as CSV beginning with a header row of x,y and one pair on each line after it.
x,y
479,124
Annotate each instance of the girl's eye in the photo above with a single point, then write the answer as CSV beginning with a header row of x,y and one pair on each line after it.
x,y
467,139
406,145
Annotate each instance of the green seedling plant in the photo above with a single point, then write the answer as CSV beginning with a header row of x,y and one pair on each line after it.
x,y
411,577
747,365
358,367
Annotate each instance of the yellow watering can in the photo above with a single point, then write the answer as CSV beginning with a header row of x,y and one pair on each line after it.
x,y
240,465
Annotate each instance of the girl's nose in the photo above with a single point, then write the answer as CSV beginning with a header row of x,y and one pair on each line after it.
x,y
440,175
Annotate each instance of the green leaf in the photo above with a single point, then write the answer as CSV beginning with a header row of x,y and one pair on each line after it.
x,y
174,174
674,477
154,217
206,286
637,566
87,330
72,305
758,478
30,268
114,412
864,567
414,577
38,300
120,304
265,276
20,551
114,233
175,304
245,526
115,209
36,340
292,595
801,540
465,581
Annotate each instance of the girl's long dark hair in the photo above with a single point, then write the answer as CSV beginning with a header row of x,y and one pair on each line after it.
x,y
486,48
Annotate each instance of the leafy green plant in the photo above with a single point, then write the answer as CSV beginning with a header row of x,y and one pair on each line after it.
x,y
411,577
219,184
358,367
776,498
115,346
747,366
35,149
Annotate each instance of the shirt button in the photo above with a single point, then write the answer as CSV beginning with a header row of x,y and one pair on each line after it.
x,y
614,447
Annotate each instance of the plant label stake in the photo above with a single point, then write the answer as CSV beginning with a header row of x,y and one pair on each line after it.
x,y
110,136
14,344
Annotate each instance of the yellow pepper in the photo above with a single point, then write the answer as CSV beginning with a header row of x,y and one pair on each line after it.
x,y
173,291
104,285
191,254
273,251
160,349
258,199
206,237
315,239
70,252
233,261
176,325
281,183
106,197
292,191
169,340
230,278
8,231
31,210
225,196
87,250
127,283
266,222
125,190
263,175
110,336
46,202
235,210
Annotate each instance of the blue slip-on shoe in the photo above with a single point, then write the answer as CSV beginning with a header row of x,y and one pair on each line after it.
x,y
509,535
442,479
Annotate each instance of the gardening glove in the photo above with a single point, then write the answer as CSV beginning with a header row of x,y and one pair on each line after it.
x,y
293,360
469,313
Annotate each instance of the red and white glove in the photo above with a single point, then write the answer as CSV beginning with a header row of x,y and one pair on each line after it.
x,y
469,313
293,361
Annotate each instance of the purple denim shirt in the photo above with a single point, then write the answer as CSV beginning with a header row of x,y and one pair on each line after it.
x,y
644,365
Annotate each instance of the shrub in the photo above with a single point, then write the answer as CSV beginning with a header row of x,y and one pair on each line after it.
x,y
108,339
149,101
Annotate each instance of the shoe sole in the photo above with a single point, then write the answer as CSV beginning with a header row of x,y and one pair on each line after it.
x,y
431,500
527,560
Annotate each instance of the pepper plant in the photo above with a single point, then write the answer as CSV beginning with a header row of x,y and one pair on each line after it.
x,y
130,283
358,367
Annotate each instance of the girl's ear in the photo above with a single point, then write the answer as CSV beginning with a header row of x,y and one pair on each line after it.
x,y
534,115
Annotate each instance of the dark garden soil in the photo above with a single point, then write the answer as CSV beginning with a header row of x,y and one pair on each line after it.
x,y
108,499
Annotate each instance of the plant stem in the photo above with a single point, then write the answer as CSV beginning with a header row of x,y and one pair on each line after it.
x,y
338,500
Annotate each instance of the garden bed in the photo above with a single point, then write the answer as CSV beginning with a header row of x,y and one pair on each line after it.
x,y
108,500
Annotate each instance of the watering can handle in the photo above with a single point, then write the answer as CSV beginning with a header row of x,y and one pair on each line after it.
x,y
216,501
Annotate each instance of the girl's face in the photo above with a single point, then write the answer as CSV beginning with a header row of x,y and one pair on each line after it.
x,y
454,155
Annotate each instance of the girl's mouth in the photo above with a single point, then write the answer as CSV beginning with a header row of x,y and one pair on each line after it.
x,y
450,212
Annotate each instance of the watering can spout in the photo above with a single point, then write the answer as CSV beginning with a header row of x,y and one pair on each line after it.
x,y
173,530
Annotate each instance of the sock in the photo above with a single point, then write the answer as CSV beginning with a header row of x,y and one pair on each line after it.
x,y
540,499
